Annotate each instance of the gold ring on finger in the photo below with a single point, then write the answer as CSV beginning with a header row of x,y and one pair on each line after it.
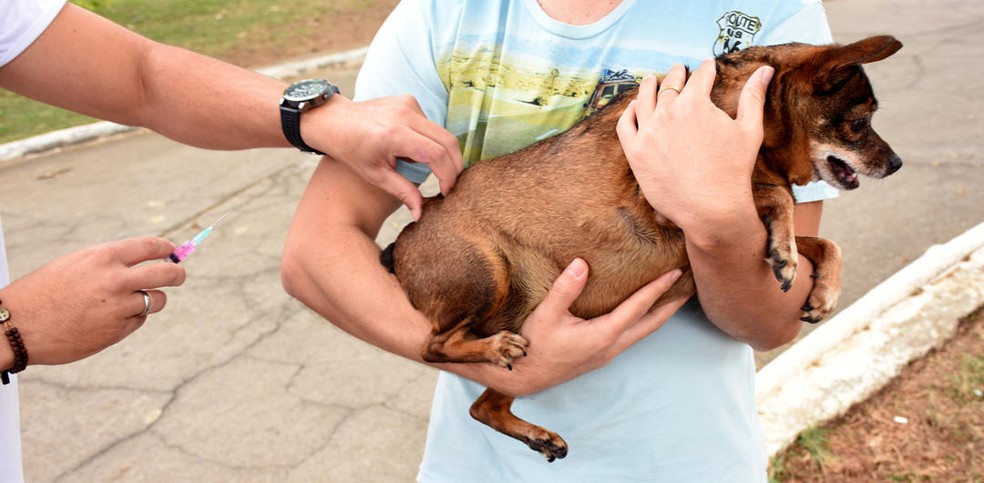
x,y
669,88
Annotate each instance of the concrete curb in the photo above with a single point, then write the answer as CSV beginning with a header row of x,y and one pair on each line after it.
x,y
866,345
60,138
89,132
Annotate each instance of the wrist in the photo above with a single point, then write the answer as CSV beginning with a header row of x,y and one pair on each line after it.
x,y
13,341
316,122
299,98
722,225
6,354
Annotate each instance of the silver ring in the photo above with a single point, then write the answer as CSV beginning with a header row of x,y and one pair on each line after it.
x,y
146,309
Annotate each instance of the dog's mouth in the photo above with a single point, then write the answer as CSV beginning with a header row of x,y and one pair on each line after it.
x,y
844,173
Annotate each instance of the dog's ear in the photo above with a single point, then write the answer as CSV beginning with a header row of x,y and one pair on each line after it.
x,y
838,64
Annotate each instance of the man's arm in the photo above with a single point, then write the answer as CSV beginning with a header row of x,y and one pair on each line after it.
x,y
738,289
331,263
694,164
88,64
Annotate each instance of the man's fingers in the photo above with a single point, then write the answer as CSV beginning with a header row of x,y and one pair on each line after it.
x,y
403,189
156,298
427,143
141,249
451,146
639,320
438,134
643,299
446,177
630,320
751,103
649,322
566,289
702,80
155,275
627,126
672,85
442,153
645,101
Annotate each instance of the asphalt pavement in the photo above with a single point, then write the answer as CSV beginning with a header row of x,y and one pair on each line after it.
x,y
237,382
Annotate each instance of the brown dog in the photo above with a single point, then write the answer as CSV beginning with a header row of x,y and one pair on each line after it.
x,y
480,260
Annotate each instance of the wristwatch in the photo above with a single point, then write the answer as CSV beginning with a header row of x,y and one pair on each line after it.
x,y
299,97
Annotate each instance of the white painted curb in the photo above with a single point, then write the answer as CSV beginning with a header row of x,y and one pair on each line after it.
x,y
60,139
299,68
865,346
97,130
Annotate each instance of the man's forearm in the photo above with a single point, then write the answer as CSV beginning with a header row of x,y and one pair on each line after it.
x,y
88,64
739,291
371,306
742,297
207,103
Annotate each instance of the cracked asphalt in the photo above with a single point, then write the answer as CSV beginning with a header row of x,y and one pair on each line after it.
x,y
237,382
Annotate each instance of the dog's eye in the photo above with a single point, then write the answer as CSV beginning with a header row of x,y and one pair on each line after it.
x,y
859,125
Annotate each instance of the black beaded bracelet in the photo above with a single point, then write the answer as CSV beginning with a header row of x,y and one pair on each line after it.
x,y
16,343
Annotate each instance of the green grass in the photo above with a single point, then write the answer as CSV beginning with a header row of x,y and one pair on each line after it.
x,y
967,380
813,442
21,117
211,27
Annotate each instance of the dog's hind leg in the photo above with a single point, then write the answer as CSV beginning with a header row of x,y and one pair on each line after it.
x,y
461,297
775,209
460,344
826,258
494,409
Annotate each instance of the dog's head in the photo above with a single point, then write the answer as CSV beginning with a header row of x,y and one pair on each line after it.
x,y
818,109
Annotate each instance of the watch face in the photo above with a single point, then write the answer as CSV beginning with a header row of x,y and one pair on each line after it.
x,y
307,89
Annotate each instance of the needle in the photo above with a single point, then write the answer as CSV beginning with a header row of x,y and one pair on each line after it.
x,y
189,246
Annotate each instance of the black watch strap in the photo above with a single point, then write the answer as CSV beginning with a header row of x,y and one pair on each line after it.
x,y
290,121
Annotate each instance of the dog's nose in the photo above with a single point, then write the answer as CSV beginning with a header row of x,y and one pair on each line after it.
x,y
894,163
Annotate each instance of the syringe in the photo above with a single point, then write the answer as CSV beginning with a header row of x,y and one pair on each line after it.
x,y
189,246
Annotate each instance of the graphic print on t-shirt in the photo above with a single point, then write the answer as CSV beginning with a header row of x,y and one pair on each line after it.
x,y
510,87
737,32
521,100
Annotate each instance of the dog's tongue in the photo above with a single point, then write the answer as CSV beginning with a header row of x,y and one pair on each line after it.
x,y
844,173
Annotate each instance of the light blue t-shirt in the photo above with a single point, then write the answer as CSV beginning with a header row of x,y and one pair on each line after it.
x,y
677,406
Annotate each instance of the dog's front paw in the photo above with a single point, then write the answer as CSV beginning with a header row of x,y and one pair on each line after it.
x,y
506,346
822,300
784,262
781,253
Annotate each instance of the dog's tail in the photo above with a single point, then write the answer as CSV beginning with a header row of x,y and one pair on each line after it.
x,y
386,258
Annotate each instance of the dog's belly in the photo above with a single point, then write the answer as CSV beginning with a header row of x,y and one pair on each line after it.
x,y
617,269
477,267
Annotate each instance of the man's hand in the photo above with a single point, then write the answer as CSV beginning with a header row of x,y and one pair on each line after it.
x,y
563,346
694,165
83,302
370,135
692,160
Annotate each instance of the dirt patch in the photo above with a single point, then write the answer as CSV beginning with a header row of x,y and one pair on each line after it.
x,y
343,29
926,425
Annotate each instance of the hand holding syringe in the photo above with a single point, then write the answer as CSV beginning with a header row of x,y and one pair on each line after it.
x,y
189,246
